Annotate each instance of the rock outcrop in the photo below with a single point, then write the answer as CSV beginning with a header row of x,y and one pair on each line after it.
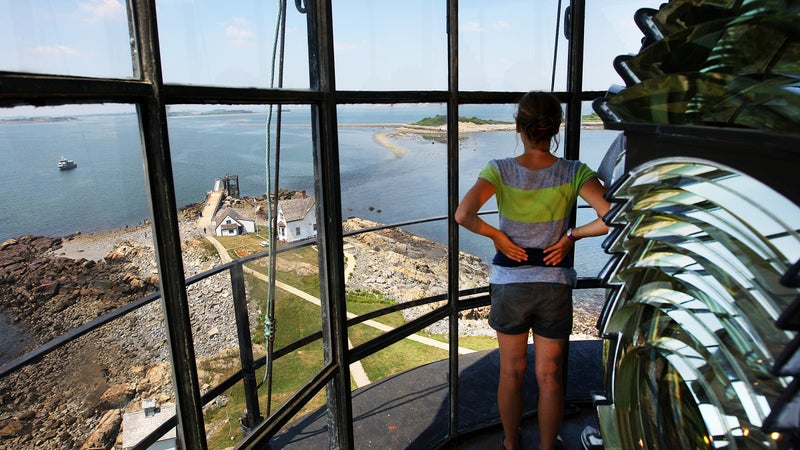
x,y
405,267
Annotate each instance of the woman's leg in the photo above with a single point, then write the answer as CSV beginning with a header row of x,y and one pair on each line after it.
x,y
513,362
548,357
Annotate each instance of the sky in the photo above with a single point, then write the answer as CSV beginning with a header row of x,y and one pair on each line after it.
x,y
504,45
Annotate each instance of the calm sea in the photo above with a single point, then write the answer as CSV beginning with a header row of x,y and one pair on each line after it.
x,y
107,190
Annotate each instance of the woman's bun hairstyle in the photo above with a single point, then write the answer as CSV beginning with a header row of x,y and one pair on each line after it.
x,y
539,116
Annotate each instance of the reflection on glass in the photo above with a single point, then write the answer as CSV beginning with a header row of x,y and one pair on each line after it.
x,y
694,306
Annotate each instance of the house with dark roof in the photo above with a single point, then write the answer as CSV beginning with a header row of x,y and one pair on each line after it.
x,y
296,218
229,222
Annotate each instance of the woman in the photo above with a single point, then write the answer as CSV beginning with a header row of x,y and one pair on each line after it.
x,y
532,275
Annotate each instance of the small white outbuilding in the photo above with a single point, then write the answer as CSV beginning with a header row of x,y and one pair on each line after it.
x,y
229,222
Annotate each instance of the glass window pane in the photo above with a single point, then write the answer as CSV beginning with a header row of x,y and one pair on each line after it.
x,y
93,387
86,226
620,36
208,143
509,45
390,172
105,191
595,144
221,157
478,148
230,44
393,171
390,45
85,38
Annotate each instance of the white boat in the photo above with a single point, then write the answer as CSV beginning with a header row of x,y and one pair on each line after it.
x,y
66,164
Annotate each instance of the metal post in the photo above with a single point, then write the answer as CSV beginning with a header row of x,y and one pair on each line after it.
x,y
452,204
253,415
575,80
161,197
573,127
329,214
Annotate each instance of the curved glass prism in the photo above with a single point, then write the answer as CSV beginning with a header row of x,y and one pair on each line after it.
x,y
699,253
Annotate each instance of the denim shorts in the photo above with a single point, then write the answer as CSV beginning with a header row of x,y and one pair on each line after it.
x,y
545,308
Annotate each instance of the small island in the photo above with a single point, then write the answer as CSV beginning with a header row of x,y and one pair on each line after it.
x,y
435,129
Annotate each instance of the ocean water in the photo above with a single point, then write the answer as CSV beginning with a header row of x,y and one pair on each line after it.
x,y
108,191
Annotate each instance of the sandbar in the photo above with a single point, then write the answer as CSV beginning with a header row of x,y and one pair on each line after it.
x,y
383,139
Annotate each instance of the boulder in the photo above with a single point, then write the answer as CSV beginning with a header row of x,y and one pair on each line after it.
x,y
11,428
117,396
105,434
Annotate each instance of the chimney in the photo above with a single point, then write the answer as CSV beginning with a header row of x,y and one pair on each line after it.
x,y
149,407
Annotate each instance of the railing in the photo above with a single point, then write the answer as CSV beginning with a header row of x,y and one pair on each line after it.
x,y
468,299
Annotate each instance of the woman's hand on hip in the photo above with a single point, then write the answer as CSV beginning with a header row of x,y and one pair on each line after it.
x,y
513,251
558,251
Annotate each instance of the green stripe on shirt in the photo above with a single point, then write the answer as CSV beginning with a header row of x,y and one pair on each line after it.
x,y
547,204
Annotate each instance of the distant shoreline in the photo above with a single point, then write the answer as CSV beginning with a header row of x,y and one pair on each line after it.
x,y
382,138
15,120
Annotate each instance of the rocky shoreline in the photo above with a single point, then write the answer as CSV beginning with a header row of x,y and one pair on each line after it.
x,y
75,396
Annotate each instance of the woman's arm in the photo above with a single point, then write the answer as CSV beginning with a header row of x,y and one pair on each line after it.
x,y
467,216
593,192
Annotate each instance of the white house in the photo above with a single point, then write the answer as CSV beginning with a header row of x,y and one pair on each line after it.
x,y
138,425
296,218
228,222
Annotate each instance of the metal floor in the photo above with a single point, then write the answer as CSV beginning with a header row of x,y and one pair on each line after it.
x,y
410,410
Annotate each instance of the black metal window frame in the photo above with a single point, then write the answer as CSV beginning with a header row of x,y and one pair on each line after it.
x,y
151,97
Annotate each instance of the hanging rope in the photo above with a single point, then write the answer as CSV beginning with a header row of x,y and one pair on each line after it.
x,y
272,196
555,48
